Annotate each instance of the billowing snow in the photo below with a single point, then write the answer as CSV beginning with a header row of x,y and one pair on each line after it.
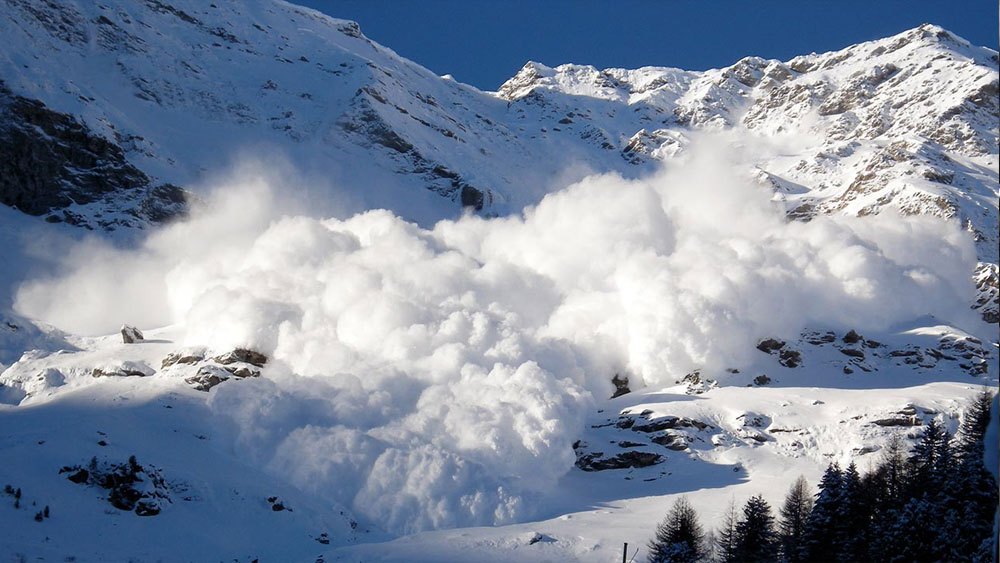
x,y
434,378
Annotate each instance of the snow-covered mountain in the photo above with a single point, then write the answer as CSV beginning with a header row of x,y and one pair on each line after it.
x,y
769,266
906,123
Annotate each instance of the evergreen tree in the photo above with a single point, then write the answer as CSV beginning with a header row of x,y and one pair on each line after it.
x,y
822,539
974,422
794,516
913,534
854,518
725,537
889,477
885,487
679,537
930,459
755,539
972,488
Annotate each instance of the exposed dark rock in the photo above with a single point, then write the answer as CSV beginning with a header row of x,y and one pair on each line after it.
x,y
210,375
628,444
130,334
130,486
642,423
471,197
657,424
790,358
79,476
50,161
852,337
242,355
899,421
671,441
540,538
853,353
761,380
125,369
596,461
277,505
817,338
181,358
621,385
207,377
243,371
770,345
753,420
625,422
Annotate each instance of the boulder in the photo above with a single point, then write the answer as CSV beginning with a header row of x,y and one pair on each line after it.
x,y
852,337
175,358
770,345
131,335
621,385
127,368
244,355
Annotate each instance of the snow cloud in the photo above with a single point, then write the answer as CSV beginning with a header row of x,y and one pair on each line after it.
x,y
434,377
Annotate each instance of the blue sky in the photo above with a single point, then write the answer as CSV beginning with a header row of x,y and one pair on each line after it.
x,y
485,42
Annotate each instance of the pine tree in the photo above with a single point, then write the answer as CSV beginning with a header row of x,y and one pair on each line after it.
x,y
974,421
925,527
930,459
855,516
891,474
679,537
756,540
972,488
794,516
725,537
822,539
912,535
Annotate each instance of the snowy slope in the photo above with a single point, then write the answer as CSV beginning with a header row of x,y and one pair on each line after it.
x,y
332,370
905,123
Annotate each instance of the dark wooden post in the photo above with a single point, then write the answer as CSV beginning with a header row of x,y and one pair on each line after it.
x,y
625,553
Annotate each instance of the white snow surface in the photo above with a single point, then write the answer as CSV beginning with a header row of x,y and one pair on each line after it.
x,y
433,376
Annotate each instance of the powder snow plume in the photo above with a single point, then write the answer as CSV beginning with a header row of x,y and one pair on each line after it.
x,y
437,377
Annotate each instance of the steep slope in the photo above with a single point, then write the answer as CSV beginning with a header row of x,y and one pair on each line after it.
x,y
905,123
189,87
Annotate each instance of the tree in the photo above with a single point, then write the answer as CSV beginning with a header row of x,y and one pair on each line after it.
x,y
679,537
756,540
794,516
822,537
974,422
725,537
855,517
972,488
930,460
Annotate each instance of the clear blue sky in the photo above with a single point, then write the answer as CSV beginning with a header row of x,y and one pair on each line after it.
x,y
485,42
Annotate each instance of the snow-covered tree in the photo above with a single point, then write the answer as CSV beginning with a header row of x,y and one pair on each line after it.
x,y
822,537
679,537
756,539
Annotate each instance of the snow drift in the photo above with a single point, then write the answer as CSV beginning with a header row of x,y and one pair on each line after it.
x,y
437,377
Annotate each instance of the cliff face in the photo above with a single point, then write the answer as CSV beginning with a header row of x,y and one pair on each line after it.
x,y
53,166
